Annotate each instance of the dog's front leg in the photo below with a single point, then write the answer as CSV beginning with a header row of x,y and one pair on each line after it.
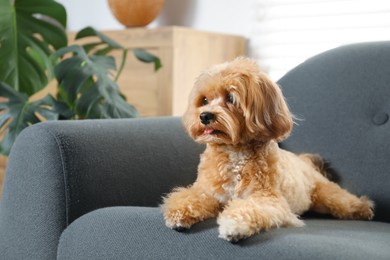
x,y
186,206
244,217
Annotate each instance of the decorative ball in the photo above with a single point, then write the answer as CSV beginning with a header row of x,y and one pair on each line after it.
x,y
135,13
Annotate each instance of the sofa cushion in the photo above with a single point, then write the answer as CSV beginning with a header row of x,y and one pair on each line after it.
x,y
140,233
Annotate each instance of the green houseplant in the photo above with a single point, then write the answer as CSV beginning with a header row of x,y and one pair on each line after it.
x,y
34,50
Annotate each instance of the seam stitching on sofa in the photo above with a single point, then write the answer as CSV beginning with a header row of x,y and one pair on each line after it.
x,y
60,148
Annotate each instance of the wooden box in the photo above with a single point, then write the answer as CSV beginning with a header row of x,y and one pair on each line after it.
x,y
184,53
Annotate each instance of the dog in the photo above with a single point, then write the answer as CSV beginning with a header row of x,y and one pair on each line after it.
x,y
244,178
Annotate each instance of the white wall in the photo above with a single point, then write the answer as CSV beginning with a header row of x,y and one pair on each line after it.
x,y
228,16
94,13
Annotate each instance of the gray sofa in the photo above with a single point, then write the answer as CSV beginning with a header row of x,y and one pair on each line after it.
x,y
91,189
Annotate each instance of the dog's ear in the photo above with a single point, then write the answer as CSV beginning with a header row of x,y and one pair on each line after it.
x,y
266,112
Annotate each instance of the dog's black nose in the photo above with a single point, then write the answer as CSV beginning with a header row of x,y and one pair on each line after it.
x,y
206,118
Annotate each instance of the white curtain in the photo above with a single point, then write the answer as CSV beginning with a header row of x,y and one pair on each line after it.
x,y
289,31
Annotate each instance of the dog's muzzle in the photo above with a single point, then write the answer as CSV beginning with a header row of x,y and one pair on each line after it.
x,y
206,118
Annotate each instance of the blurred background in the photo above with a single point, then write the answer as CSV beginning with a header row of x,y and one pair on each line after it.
x,y
280,33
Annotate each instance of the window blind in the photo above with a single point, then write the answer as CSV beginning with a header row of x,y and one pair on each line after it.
x,y
289,31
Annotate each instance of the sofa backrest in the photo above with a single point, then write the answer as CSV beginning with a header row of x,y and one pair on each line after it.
x,y
342,98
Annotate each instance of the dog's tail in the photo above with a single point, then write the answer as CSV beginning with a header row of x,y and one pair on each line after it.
x,y
317,161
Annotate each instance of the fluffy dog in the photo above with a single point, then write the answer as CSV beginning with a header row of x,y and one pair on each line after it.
x,y
244,178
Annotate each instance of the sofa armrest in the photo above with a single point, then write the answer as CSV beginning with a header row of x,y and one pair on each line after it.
x,y
58,171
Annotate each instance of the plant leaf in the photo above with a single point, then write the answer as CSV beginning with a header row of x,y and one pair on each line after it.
x,y
29,30
63,110
18,113
103,46
87,86
145,56
91,32
109,45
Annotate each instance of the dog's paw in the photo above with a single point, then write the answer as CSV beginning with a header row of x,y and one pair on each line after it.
x,y
232,230
178,219
364,210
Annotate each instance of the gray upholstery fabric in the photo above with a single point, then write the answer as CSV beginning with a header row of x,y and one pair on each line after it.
x,y
343,97
139,233
33,207
59,173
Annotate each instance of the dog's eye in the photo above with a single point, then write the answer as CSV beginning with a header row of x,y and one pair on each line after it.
x,y
230,98
204,101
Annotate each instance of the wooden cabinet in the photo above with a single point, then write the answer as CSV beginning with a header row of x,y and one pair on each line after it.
x,y
184,53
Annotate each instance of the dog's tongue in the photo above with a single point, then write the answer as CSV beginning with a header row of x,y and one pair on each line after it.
x,y
208,131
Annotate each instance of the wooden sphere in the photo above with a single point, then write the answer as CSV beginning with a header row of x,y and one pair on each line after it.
x,y
133,13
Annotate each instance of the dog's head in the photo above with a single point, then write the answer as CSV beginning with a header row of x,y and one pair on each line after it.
x,y
235,103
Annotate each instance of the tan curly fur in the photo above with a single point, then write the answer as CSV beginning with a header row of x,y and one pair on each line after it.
x,y
244,179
